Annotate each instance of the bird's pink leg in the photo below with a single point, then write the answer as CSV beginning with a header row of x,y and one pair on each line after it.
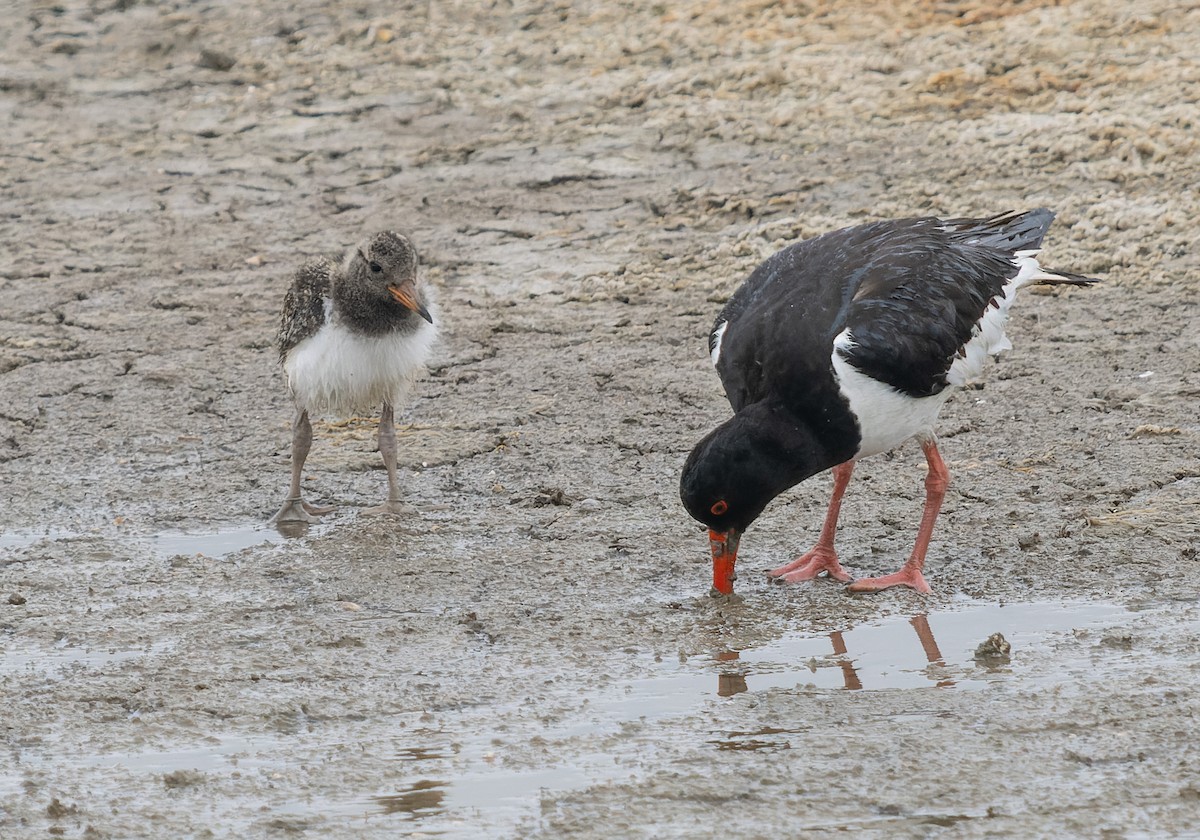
x,y
849,672
910,575
933,654
822,557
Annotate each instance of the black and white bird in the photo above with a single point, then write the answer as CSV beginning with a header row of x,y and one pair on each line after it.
x,y
353,335
844,346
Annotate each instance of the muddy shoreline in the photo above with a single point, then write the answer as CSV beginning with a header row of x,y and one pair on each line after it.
x,y
534,652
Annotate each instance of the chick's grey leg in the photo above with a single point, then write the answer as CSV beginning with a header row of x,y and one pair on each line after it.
x,y
295,509
387,448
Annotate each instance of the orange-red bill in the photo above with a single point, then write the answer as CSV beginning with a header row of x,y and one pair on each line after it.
x,y
406,294
724,545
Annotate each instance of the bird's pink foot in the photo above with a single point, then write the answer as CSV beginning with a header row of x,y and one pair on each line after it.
x,y
808,566
909,576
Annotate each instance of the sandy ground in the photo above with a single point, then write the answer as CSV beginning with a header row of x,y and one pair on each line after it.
x,y
533,653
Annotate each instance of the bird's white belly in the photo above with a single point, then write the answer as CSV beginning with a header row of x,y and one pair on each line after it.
x,y
886,417
340,372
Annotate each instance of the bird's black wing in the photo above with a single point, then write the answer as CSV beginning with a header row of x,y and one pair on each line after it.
x,y
919,300
911,292
304,304
1010,232
776,332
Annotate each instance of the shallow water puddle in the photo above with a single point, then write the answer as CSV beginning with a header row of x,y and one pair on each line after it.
x,y
922,651
216,543
421,799
65,658
11,540
457,789
928,650
462,777
222,752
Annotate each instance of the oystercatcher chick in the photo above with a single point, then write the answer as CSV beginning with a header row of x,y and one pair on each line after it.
x,y
845,346
353,335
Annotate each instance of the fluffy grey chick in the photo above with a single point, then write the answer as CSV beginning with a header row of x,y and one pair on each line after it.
x,y
353,335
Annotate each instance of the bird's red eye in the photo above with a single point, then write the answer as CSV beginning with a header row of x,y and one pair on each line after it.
x,y
720,507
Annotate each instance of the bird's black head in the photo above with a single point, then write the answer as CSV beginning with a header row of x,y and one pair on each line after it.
x,y
382,272
727,480
735,471
717,486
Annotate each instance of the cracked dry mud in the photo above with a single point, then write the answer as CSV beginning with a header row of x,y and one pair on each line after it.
x,y
533,653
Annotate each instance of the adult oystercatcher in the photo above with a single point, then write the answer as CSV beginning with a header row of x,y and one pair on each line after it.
x,y
353,335
844,346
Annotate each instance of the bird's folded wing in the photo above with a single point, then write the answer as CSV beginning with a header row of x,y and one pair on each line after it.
x,y
304,303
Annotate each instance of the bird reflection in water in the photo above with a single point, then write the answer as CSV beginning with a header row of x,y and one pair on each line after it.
x,y
421,799
734,682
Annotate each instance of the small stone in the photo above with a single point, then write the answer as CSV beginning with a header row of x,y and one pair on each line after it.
x,y
183,778
994,650
56,810
16,600
1117,641
215,60
552,496
1151,430
65,46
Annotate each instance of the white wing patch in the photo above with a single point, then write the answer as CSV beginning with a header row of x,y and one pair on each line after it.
x,y
714,342
988,337
340,372
886,417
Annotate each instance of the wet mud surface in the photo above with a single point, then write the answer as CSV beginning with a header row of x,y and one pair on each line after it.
x,y
533,652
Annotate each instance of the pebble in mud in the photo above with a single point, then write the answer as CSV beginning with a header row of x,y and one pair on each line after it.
x,y
993,651
182,779
16,600
215,60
